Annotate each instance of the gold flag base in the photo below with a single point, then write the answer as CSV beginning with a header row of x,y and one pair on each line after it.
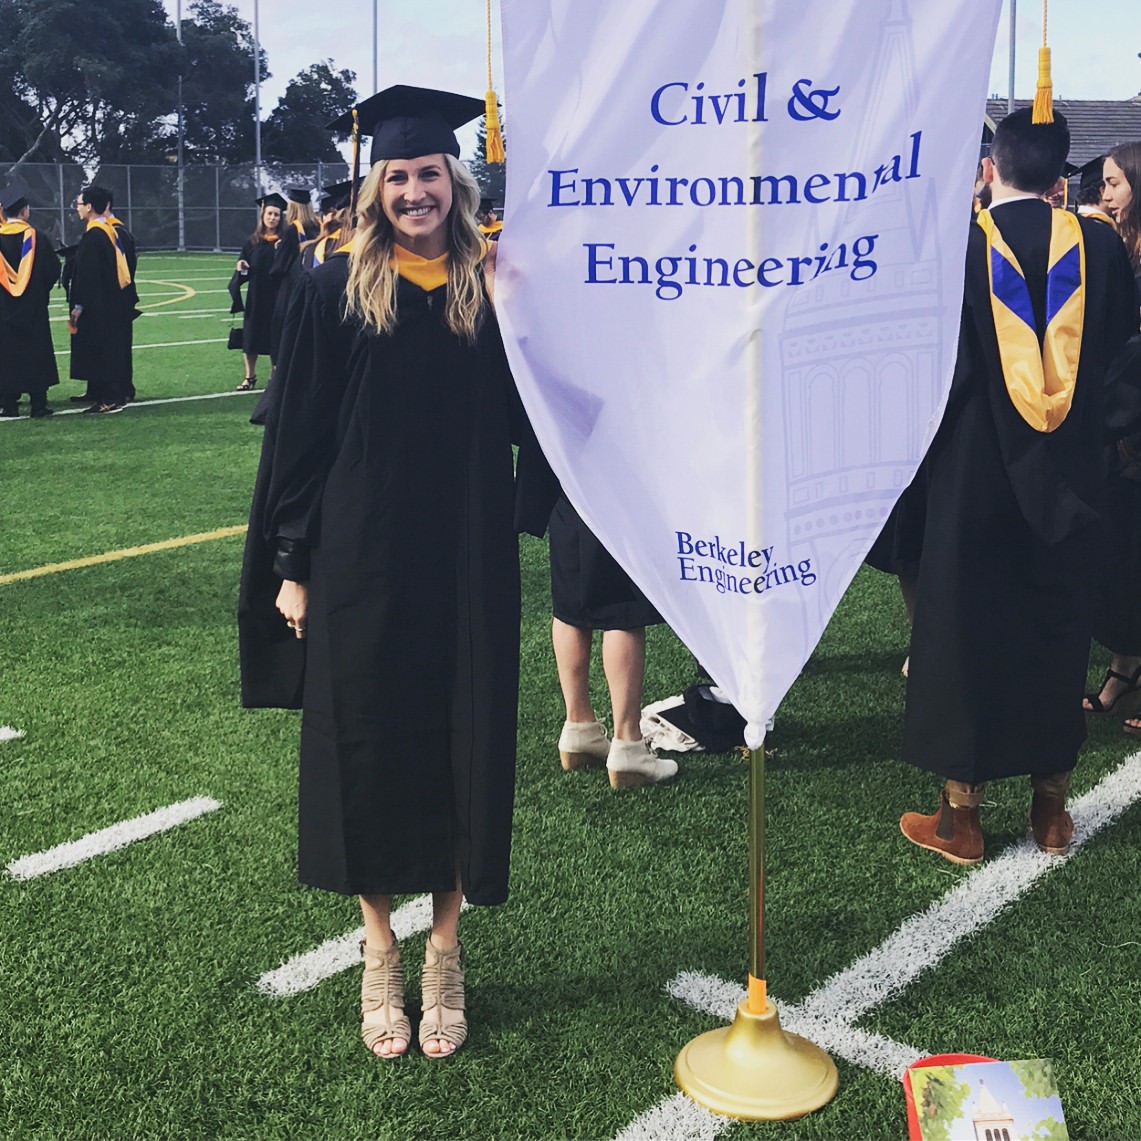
x,y
755,1071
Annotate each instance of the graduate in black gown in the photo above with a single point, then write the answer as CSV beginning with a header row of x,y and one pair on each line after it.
x,y
1013,477
262,271
103,303
381,544
29,269
1117,614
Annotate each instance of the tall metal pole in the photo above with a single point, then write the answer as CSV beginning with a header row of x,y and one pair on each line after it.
x,y
181,139
257,101
375,40
1010,89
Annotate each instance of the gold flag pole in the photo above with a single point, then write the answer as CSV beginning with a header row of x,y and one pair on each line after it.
x,y
752,1069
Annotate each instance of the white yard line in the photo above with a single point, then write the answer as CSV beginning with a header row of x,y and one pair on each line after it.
x,y
828,1014
137,404
675,1118
7,733
305,971
164,345
110,839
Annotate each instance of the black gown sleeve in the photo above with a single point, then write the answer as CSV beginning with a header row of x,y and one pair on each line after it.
x,y
299,445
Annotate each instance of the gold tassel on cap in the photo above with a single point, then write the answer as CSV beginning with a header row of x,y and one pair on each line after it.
x,y
493,139
1044,95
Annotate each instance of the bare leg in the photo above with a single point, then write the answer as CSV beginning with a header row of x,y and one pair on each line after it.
x,y
1113,688
376,910
444,935
572,657
251,360
908,588
624,660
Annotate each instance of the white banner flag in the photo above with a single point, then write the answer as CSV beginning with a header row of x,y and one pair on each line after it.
x,y
729,283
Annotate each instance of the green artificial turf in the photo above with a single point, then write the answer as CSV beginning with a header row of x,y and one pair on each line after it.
x,y
127,984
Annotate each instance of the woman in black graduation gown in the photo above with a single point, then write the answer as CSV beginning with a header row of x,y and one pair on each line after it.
x,y
1117,606
382,522
263,271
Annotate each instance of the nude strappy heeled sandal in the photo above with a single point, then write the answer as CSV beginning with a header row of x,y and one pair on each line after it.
x,y
442,987
382,1000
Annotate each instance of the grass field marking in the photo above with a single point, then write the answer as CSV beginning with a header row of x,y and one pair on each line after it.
x,y
7,733
303,972
110,839
925,938
137,404
187,292
675,1119
720,997
827,1015
124,553
165,345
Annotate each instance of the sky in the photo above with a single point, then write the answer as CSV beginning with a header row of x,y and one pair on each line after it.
x,y
441,43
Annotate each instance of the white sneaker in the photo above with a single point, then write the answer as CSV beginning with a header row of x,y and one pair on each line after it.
x,y
583,745
633,763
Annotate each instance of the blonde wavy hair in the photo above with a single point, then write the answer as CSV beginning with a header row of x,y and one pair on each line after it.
x,y
371,292
300,212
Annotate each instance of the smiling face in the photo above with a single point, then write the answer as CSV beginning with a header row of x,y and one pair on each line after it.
x,y
1116,193
416,197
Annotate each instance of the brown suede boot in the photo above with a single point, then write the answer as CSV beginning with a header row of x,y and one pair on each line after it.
x,y
1050,823
953,831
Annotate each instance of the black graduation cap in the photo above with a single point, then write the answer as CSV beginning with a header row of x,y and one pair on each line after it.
x,y
299,194
13,197
486,204
407,122
1091,173
273,199
336,197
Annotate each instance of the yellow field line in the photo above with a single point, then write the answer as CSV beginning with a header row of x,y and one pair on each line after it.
x,y
125,553
186,295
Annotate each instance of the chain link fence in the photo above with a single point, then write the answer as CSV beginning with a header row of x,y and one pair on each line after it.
x,y
209,208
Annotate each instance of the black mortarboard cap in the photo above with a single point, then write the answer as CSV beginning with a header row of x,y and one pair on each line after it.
x,y
1091,172
486,204
13,197
336,197
299,194
273,199
407,122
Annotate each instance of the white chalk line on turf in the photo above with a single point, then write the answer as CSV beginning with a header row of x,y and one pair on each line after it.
x,y
110,839
7,733
305,971
164,345
827,1015
135,405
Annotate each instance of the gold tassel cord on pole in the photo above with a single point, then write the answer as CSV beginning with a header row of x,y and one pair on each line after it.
x,y
356,169
494,150
1044,95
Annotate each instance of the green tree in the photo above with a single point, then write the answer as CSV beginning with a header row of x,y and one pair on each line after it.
x,y
80,76
491,176
218,83
298,129
939,1101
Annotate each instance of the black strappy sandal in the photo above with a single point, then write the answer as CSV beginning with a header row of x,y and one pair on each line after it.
x,y
247,385
1132,685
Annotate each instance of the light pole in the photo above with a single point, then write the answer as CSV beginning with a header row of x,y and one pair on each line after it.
x,y
1010,89
375,40
257,101
181,137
